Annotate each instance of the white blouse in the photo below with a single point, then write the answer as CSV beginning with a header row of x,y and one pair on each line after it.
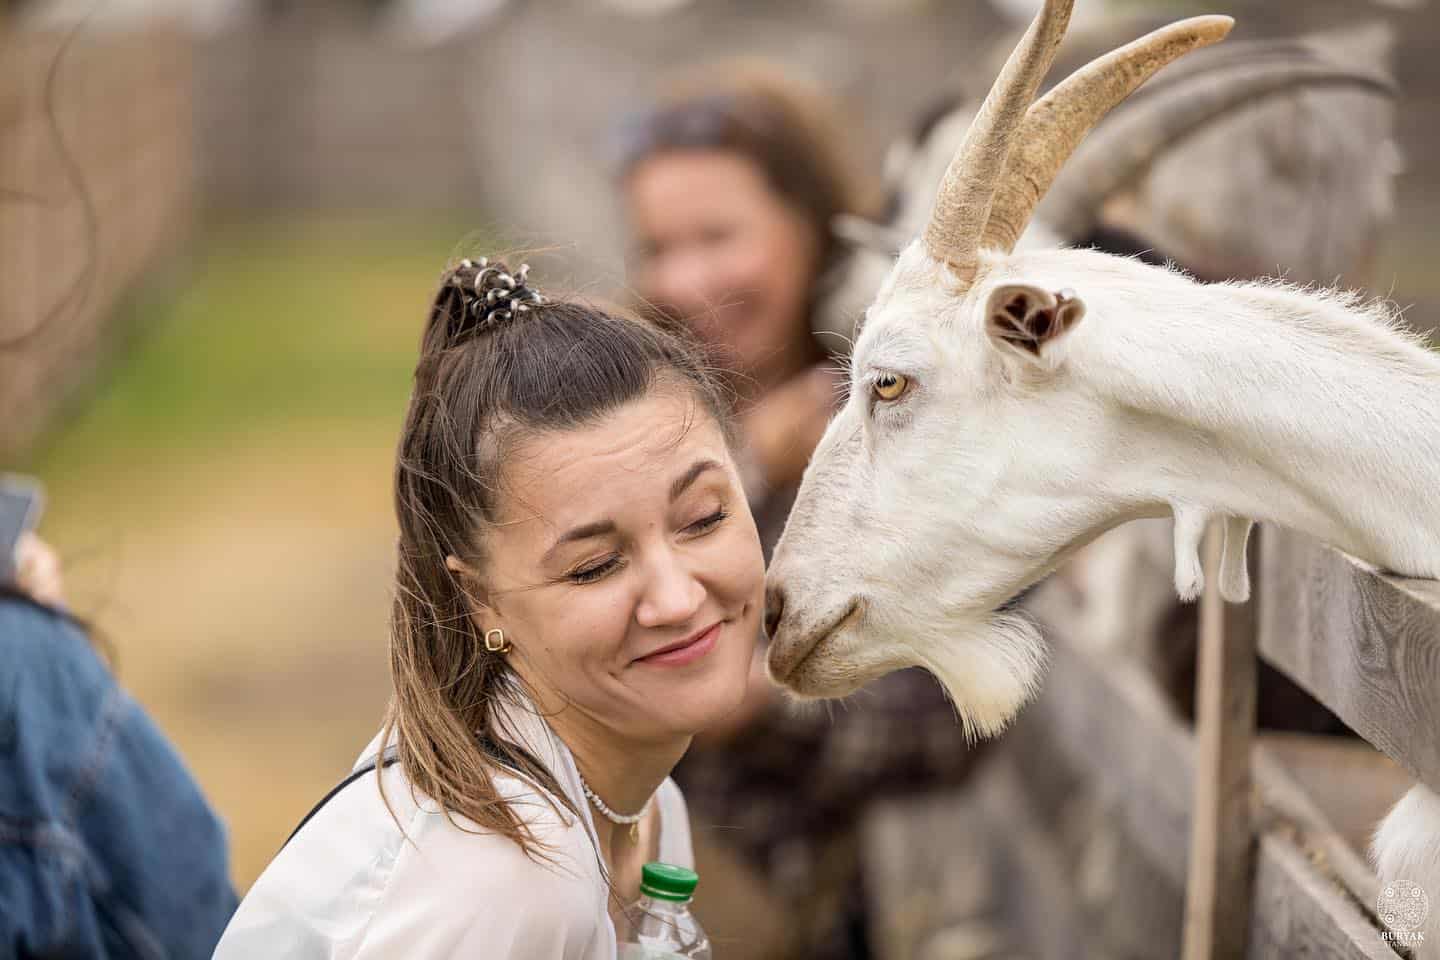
x,y
349,886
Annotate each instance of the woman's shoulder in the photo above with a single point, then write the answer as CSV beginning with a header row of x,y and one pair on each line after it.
x,y
485,887
376,875
48,656
568,862
545,814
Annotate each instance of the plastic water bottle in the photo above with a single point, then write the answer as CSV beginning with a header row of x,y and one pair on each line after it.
x,y
661,926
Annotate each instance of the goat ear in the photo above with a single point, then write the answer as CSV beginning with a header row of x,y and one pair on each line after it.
x,y
1028,320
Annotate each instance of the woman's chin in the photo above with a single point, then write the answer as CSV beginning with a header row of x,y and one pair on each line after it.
x,y
700,703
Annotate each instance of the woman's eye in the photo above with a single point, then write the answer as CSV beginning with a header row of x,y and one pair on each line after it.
x,y
706,524
890,386
647,255
716,236
592,573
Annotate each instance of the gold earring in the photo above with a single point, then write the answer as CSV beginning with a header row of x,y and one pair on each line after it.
x,y
499,644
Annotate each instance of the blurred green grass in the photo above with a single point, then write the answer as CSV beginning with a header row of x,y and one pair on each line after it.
x,y
276,328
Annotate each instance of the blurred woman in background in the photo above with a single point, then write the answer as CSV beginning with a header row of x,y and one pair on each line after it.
x,y
730,185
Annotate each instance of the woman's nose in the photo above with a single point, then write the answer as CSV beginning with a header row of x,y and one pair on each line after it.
x,y
673,597
685,281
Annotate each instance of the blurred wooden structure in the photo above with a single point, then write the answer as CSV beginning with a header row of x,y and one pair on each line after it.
x,y
1102,808
121,130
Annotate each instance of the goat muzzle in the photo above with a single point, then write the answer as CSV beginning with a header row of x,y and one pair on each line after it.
x,y
791,645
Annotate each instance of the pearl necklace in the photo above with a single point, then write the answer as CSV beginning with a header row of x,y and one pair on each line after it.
x,y
619,819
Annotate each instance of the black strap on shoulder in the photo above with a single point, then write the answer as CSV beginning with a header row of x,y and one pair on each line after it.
x,y
356,774
391,756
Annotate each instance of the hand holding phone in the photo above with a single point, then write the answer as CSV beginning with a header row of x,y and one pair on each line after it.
x,y
21,501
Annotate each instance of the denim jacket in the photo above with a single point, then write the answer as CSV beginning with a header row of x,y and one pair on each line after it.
x,y
107,848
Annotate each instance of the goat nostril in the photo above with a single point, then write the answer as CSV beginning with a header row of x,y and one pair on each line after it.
x,y
774,609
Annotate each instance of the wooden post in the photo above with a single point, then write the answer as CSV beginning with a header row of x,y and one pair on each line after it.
x,y
1220,874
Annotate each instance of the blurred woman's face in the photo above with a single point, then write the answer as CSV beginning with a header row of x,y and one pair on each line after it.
x,y
716,245
626,570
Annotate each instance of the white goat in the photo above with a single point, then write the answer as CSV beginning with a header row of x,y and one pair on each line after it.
x,y
1006,408
1297,129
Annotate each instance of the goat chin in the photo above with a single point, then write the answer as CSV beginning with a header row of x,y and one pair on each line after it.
x,y
989,669
1407,848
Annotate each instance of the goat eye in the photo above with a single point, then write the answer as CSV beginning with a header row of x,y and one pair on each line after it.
x,y
889,386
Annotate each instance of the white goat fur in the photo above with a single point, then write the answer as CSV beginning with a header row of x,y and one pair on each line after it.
x,y
1248,401
1407,847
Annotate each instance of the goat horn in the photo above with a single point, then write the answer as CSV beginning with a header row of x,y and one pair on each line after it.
x,y
963,203
1221,60
1123,149
1054,127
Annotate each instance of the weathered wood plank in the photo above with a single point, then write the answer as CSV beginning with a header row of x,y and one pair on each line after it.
x,y
1097,709
1321,785
1217,893
1115,899
1077,856
1103,718
1355,784
1364,644
928,875
1083,809
1058,883
1299,913
1105,772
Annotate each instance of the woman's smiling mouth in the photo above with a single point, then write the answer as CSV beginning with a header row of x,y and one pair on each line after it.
x,y
685,651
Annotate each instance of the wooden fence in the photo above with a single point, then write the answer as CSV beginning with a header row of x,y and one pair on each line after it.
x,y
1365,645
121,124
1107,826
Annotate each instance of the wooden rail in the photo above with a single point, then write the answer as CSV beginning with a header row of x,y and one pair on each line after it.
x,y
1364,644
1101,768
1103,825
1367,646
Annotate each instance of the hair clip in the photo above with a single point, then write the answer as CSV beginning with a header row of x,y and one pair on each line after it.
x,y
494,294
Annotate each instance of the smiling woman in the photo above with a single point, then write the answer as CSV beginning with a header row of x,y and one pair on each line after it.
x,y
578,593
730,181
630,565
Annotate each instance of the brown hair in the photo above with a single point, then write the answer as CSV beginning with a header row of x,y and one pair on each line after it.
x,y
783,126
490,374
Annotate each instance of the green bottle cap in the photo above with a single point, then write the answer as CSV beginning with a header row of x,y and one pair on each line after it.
x,y
665,881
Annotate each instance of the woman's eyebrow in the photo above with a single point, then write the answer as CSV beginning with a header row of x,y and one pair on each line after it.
x,y
583,532
683,482
601,528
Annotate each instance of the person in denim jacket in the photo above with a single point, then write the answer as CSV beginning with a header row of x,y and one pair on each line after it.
x,y
107,847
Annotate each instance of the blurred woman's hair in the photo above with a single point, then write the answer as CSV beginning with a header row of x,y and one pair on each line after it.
x,y
789,130
488,377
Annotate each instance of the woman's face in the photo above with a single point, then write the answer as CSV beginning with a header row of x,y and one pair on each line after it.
x,y
716,245
626,569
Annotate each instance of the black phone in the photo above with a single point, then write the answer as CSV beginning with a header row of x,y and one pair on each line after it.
x,y
21,501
